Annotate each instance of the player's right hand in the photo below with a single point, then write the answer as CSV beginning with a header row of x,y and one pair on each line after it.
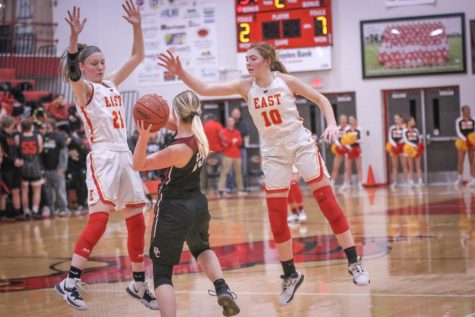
x,y
74,21
330,134
170,62
143,131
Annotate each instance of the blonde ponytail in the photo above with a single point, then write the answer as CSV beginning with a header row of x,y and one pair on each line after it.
x,y
200,136
188,108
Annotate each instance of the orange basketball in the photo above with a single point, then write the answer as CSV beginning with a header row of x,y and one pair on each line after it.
x,y
152,109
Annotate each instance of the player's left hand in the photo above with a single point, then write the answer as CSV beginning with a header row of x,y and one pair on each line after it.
x,y
330,134
133,13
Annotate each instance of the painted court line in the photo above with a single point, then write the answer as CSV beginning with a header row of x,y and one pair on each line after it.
x,y
307,294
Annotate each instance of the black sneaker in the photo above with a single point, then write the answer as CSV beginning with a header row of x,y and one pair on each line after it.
x,y
71,295
226,300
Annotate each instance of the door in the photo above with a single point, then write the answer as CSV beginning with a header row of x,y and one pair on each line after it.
x,y
435,110
441,110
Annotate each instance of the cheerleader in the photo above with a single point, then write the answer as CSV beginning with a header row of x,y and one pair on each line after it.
x,y
413,148
337,148
351,140
465,126
395,147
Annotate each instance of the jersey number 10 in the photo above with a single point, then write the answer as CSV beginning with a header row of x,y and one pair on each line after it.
x,y
271,117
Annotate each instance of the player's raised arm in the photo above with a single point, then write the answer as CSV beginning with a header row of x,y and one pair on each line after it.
x,y
132,15
71,68
173,65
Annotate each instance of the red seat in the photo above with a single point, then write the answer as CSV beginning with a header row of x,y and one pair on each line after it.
x,y
7,73
35,94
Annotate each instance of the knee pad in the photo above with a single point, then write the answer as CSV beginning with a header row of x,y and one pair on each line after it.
x,y
91,234
277,210
162,274
331,210
135,238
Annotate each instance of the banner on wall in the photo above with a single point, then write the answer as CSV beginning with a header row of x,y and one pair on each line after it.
x,y
401,3
187,29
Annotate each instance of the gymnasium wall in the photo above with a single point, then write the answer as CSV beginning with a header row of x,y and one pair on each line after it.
x,y
107,29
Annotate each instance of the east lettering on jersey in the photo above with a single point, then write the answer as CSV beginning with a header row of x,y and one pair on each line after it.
x,y
113,101
267,101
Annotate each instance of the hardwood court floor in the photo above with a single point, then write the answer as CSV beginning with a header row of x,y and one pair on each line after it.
x,y
418,245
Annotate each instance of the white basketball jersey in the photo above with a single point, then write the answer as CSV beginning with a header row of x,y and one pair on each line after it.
x,y
103,117
274,112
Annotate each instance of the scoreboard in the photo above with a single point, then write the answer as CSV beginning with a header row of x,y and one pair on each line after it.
x,y
300,28
283,23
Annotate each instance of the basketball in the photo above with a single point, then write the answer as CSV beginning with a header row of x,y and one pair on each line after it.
x,y
151,109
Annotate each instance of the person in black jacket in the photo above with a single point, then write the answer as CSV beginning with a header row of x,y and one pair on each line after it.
x,y
11,172
55,160
30,147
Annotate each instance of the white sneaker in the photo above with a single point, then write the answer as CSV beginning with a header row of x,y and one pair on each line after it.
x,y
293,218
393,185
360,275
141,292
345,186
458,182
420,182
302,216
68,289
289,287
46,212
410,184
360,186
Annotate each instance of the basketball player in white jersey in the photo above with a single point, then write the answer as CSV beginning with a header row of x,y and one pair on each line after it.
x,y
111,182
270,95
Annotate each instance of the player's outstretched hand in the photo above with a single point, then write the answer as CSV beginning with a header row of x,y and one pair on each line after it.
x,y
133,12
74,21
143,131
330,134
170,62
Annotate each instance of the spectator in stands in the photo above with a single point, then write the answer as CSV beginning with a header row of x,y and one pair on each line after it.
x,y
30,147
55,160
11,173
213,162
74,120
39,118
231,140
78,148
243,127
58,109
